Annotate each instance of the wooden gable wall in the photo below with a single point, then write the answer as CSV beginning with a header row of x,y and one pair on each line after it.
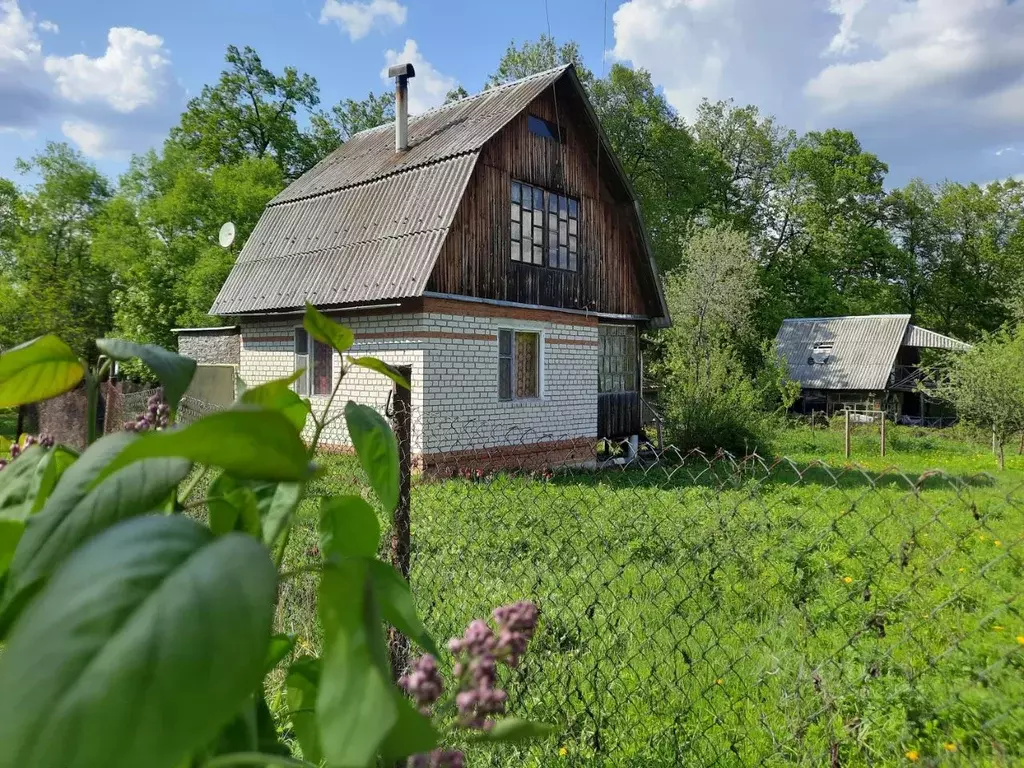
x,y
613,275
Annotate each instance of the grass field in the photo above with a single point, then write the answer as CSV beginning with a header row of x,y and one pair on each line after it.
x,y
709,614
8,423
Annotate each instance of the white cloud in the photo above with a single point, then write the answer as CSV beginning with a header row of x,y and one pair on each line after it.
x,y
359,18
429,87
109,105
92,139
946,53
49,26
132,73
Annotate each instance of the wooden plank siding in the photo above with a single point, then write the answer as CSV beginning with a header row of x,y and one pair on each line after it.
x,y
475,261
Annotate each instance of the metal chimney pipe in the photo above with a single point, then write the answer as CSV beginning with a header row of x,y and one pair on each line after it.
x,y
402,73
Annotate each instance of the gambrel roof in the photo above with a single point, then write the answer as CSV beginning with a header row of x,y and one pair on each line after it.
x,y
860,349
367,223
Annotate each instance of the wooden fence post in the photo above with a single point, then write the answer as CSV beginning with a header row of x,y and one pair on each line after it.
x,y
846,432
401,520
883,433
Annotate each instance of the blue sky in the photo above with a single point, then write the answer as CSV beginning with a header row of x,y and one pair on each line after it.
x,y
935,87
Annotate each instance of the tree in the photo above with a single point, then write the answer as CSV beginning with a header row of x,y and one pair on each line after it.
x,y
673,177
329,130
251,112
535,56
53,283
986,386
711,400
456,93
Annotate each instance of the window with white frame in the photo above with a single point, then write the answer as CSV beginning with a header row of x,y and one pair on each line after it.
x,y
317,374
519,365
544,224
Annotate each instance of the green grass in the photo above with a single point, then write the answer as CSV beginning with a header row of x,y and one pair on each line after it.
x,y
723,615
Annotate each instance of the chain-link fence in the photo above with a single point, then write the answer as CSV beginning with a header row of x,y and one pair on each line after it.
x,y
719,612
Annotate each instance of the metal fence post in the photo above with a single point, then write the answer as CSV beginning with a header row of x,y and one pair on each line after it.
x,y
401,522
846,433
883,433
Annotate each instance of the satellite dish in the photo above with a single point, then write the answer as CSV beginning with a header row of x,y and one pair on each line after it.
x,y
227,235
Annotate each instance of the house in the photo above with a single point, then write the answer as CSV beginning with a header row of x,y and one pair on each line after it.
x,y
865,362
493,244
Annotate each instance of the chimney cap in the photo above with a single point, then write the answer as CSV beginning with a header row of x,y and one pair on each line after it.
x,y
402,70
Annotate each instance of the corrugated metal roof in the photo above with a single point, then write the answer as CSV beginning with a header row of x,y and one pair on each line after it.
x,y
862,355
371,242
916,336
453,129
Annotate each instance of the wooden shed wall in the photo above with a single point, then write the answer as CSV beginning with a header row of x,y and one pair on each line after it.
x,y
475,261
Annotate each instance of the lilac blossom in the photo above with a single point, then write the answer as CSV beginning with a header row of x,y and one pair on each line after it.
x,y
477,655
155,417
27,441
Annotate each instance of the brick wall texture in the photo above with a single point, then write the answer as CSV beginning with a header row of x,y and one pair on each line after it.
x,y
454,360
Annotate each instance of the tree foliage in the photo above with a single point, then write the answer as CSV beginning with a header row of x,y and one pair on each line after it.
x,y
986,385
534,56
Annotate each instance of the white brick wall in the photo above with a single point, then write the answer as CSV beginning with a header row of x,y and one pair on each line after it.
x,y
455,377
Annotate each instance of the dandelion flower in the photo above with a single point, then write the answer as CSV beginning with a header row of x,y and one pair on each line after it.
x,y
997,628
949,746
1020,639
562,752
962,570
848,579
981,537
998,543
912,755
718,681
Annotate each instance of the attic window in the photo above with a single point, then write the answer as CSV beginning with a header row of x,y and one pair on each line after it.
x,y
821,353
541,127
544,222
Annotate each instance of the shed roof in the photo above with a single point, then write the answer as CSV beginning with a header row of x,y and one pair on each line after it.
x,y
367,223
863,349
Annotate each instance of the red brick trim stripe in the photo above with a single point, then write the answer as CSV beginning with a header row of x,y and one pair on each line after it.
x,y
527,456
573,342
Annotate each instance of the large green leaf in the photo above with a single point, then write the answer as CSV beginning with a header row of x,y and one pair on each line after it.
x,y
174,371
325,330
24,487
255,444
36,370
356,706
139,650
303,684
373,364
278,395
348,527
277,507
77,510
397,606
377,450
233,506
412,733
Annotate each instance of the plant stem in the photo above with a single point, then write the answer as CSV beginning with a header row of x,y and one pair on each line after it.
x,y
279,557
323,421
255,758
92,396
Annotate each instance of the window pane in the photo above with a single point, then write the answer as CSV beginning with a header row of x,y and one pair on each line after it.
x,y
538,233
301,342
573,208
538,199
515,212
572,260
504,342
552,202
516,231
553,222
301,385
515,192
516,253
572,226
563,257
527,360
322,355
563,205
538,254
563,233
505,378
573,245
527,219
